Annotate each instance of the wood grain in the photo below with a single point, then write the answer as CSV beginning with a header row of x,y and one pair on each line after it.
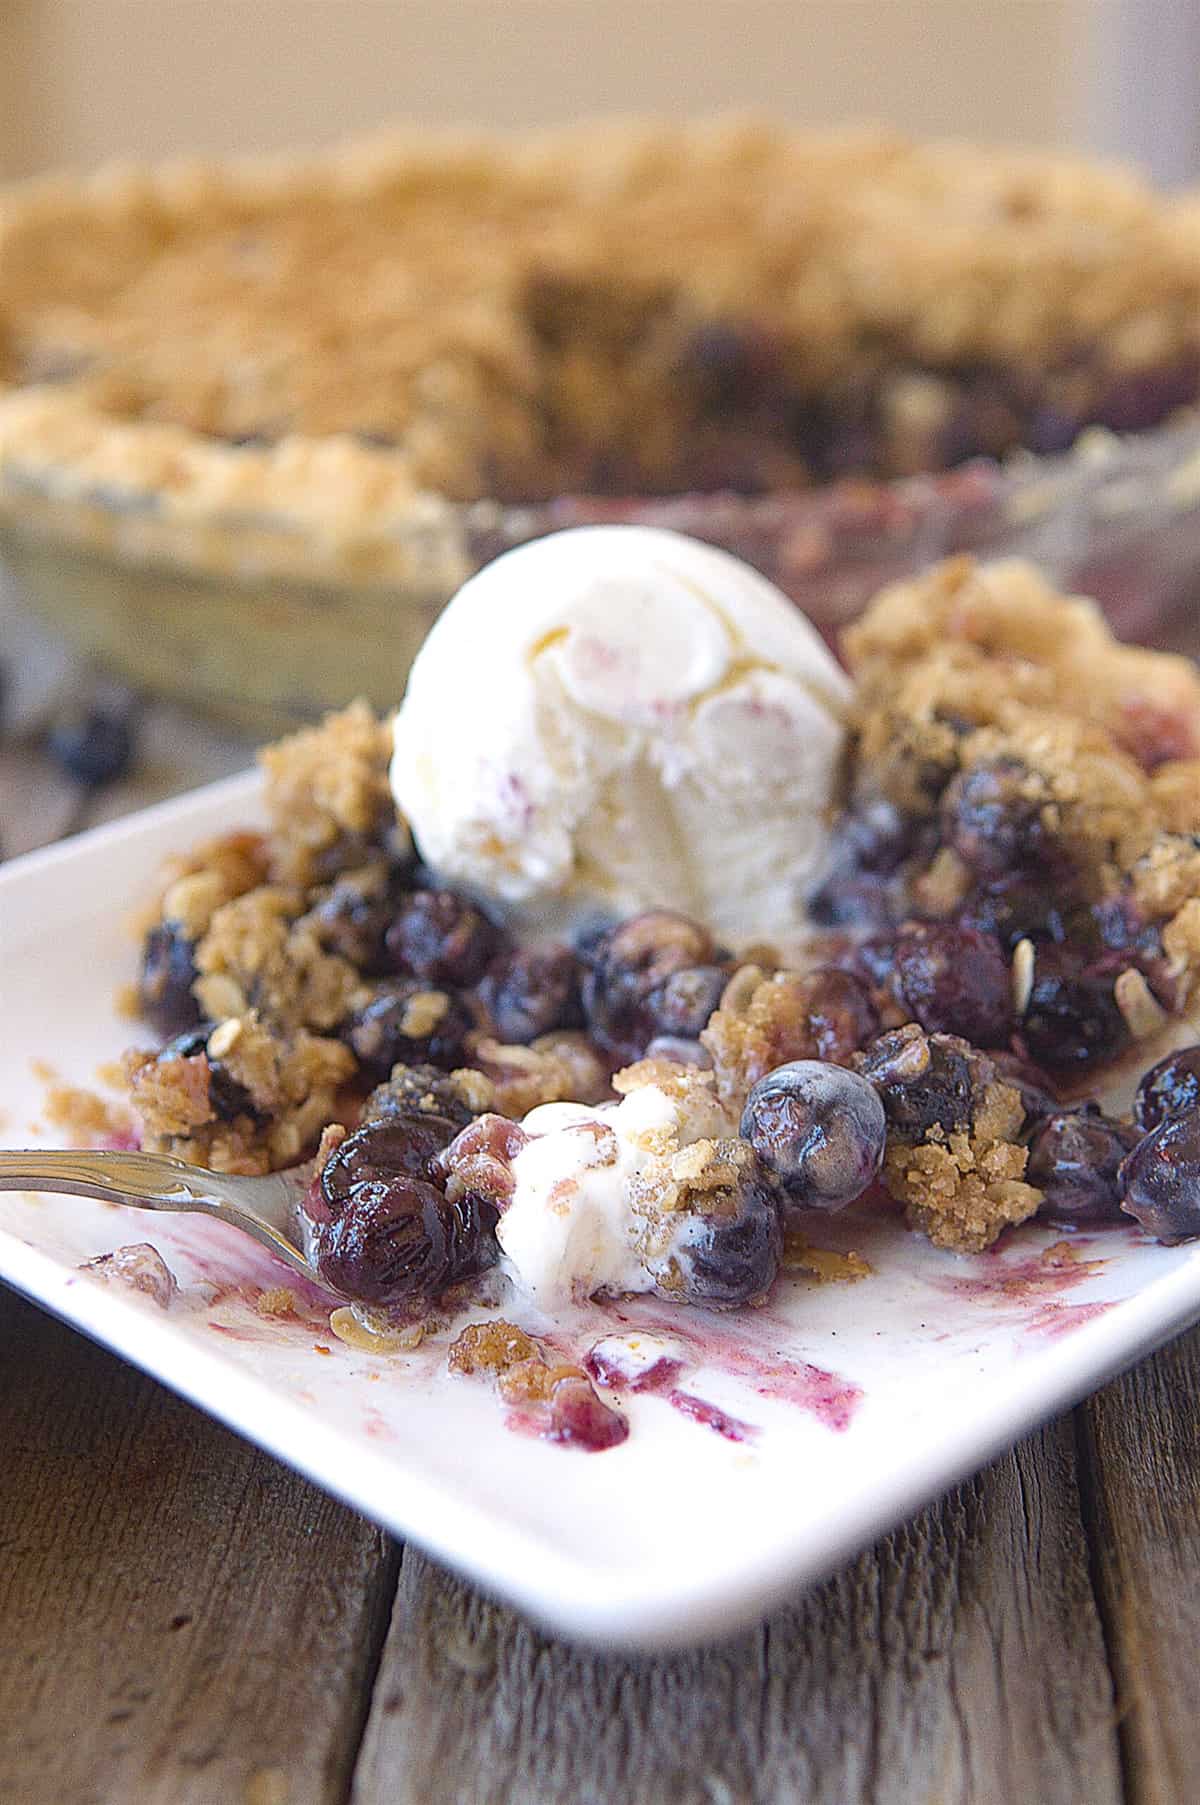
x,y
960,1660
185,1621
1142,1479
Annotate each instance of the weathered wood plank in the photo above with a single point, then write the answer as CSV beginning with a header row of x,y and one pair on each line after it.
x,y
959,1661
185,1621
1142,1482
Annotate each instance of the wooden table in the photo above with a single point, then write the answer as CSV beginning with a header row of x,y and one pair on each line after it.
x,y
184,1620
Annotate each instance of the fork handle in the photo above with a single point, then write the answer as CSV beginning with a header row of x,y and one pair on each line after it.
x,y
154,1181
149,1181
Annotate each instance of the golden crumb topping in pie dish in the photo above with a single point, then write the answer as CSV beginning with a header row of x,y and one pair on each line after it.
x,y
615,309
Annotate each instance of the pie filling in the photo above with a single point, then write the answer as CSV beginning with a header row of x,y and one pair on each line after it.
x,y
986,1016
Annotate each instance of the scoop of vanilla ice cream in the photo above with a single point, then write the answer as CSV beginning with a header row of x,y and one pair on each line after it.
x,y
621,716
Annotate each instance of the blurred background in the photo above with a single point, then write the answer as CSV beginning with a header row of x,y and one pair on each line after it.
x,y
82,80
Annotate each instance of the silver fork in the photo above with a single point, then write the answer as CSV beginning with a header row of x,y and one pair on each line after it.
x,y
266,1208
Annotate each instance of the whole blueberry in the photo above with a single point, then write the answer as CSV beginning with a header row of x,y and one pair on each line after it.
x,y
390,1249
95,750
401,1144
406,1023
627,999
859,900
730,1258
819,1129
1074,1159
1168,1088
353,919
859,885
681,1005
991,822
531,990
422,1088
872,835
164,991
1161,1179
840,1013
954,980
1018,908
438,936
1072,1020
391,1235
729,363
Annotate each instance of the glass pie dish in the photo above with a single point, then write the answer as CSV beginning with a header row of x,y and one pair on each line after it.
x,y
257,619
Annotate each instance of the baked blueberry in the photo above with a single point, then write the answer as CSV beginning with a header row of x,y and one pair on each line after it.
x,y
228,1098
531,990
406,1142
925,1081
954,980
406,1023
991,821
392,1235
422,1088
730,1257
1075,1159
1168,1088
353,918
819,1129
1160,1180
628,994
165,998
1072,1020
860,886
94,750
438,936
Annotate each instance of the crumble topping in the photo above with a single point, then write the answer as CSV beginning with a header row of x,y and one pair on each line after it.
x,y
328,796
260,951
955,1153
764,1022
89,1119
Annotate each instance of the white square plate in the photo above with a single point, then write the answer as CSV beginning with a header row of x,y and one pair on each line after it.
x,y
861,1400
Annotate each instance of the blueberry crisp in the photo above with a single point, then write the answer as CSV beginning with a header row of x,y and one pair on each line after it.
x,y
986,1012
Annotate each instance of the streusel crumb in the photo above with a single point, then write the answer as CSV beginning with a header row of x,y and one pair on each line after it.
x,y
555,1068
193,885
692,1089
955,1154
85,1117
491,1347
650,309
963,1187
764,1022
327,793
260,951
